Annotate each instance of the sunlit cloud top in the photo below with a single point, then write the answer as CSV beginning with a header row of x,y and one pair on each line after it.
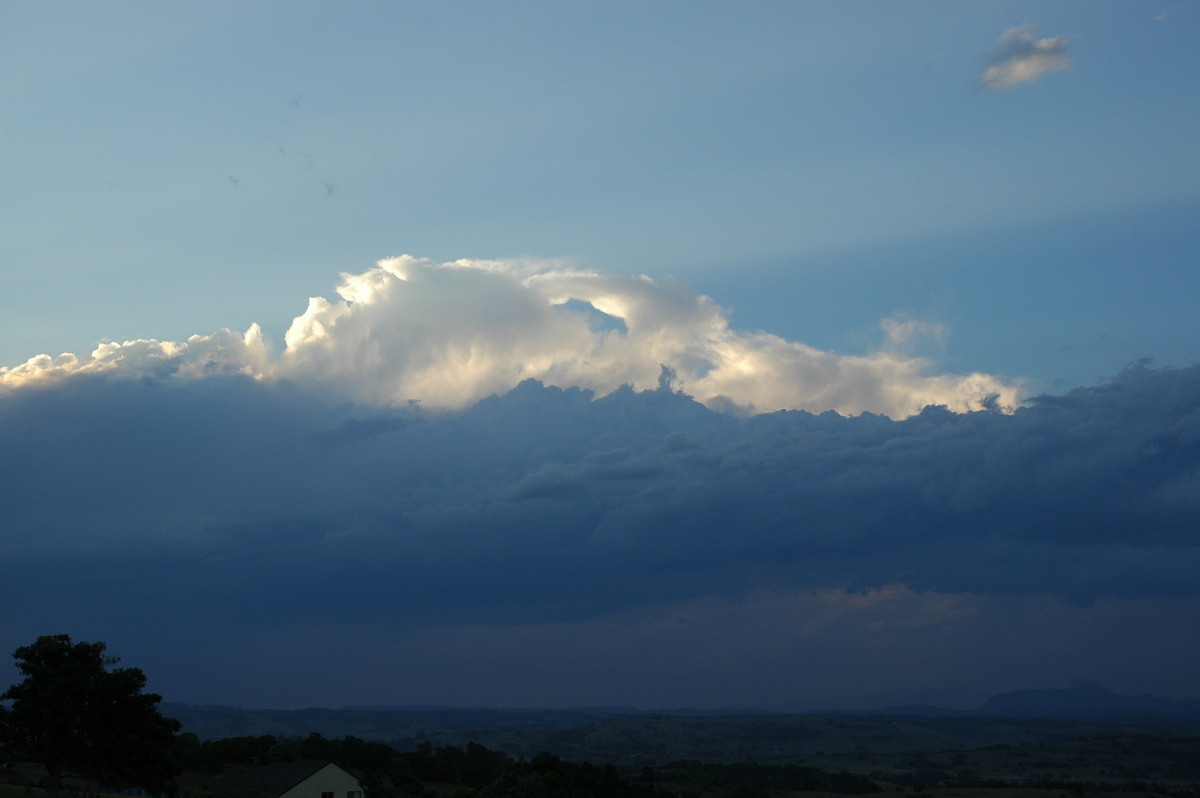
x,y
447,335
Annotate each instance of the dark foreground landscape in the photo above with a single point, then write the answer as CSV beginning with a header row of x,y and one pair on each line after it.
x,y
920,749
403,752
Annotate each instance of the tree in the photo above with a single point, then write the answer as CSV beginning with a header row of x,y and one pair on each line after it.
x,y
79,716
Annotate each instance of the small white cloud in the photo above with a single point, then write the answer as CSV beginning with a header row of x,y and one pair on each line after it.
x,y
1166,12
905,335
1019,57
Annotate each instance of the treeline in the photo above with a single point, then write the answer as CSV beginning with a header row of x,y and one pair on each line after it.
x,y
213,755
472,772
751,778
480,772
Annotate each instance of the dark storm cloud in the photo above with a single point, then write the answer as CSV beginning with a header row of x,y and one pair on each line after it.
x,y
546,503
234,535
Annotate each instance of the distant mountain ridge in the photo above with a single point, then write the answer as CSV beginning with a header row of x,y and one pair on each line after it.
x,y
394,723
1087,702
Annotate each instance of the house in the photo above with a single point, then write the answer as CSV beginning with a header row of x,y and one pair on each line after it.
x,y
300,778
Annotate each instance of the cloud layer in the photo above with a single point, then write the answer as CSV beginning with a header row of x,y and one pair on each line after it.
x,y
1019,57
447,335
510,483
591,530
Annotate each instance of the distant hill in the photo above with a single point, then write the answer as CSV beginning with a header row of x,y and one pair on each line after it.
x,y
921,711
389,724
384,725
1088,702
1029,717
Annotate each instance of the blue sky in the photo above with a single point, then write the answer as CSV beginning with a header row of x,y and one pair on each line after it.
x,y
814,167
793,207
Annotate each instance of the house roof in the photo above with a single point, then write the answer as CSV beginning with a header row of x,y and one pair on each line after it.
x,y
276,778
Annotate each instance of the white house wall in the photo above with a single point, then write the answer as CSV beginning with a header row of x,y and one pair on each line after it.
x,y
329,779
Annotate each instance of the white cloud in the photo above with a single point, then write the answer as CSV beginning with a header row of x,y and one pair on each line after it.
x,y
1166,12
1020,58
447,335
903,334
222,353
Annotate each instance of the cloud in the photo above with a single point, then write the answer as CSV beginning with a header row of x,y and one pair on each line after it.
x,y
1018,57
201,356
1166,12
777,649
545,500
595,529
447,335
526,473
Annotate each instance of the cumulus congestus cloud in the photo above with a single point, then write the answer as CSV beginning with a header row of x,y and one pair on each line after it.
x,y
447,335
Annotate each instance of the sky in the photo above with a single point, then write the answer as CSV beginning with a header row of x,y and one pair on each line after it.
x,y
773,355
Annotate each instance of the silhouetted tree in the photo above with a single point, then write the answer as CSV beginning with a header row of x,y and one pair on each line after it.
x,y
79,716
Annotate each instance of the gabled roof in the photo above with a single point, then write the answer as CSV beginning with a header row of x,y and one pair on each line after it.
x,y
276,778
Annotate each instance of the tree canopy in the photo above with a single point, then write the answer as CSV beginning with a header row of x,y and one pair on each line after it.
x,y
80,716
